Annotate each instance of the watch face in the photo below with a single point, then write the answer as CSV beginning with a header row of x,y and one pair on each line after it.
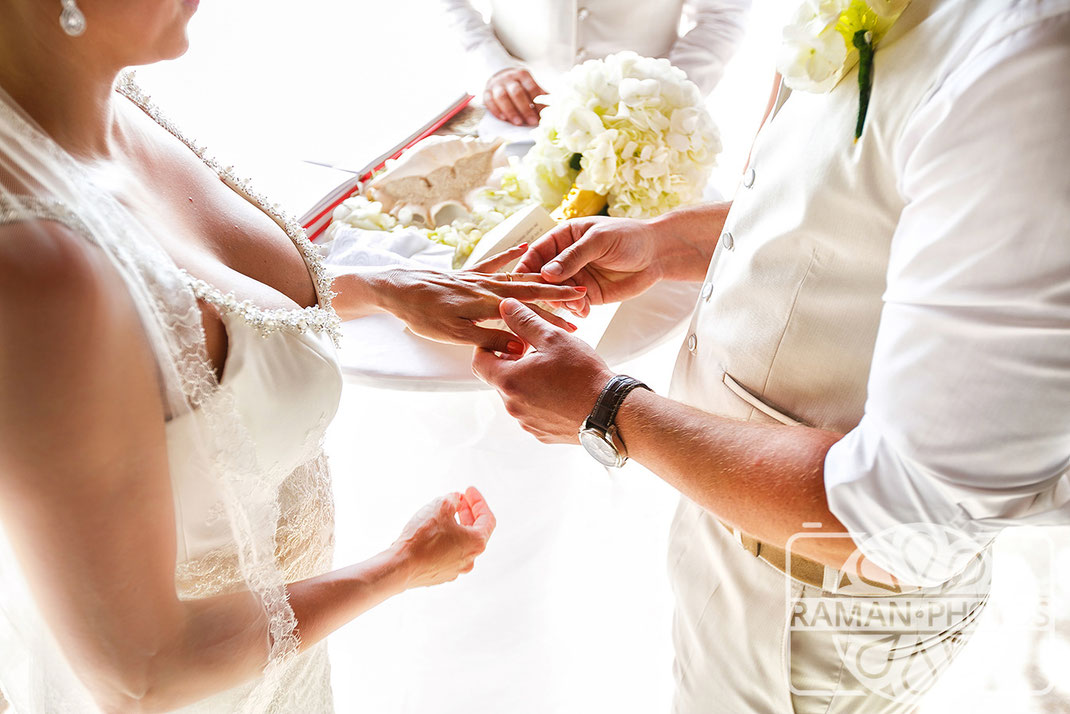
x,y
600,448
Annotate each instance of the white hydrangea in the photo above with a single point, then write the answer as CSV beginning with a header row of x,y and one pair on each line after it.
x,y
631,128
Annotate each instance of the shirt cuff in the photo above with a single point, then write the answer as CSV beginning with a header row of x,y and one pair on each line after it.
x,y
901,518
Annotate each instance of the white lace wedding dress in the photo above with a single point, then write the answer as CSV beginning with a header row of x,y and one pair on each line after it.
x,y
287,385
279,390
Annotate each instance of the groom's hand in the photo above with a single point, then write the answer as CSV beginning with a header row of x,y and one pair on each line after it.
x,y
552,388
614,258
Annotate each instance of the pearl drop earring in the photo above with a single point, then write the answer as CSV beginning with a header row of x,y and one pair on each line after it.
x,y
71,19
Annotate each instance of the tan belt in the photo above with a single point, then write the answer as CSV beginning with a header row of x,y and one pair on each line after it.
x,y
812,573
802,569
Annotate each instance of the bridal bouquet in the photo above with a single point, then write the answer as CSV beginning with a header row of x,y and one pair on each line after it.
x,y
627,128
626,135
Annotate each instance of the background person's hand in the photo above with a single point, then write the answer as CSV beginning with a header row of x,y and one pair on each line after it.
x,y
448,306
510,96
551,389
444,538
613,258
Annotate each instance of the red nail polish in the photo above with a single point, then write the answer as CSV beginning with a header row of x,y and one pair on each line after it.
x,y
571,327
515,348
581,290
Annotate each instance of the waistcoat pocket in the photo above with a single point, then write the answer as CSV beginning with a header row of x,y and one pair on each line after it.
x,y
771,414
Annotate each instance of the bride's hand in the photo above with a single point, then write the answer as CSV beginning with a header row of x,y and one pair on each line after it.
x,y
444,537
447,306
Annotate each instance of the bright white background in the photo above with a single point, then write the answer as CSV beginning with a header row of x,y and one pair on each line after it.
x,y
569,610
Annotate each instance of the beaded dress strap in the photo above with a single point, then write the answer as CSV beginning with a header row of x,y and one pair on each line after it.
x,y
25,208
321,317
266,322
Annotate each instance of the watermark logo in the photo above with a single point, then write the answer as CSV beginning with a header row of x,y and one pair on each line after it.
x,y
894,635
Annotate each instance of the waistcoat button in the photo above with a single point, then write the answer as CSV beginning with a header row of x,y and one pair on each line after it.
x,y
748,178
728,241
707,291
692,343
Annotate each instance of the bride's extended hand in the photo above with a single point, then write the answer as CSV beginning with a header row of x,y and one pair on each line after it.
x,y
444,538
448,306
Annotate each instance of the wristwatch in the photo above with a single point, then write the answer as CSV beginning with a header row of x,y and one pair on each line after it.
x,y
598,434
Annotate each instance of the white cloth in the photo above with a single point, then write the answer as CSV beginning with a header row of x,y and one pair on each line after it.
x,y
552,36
359,248
967,421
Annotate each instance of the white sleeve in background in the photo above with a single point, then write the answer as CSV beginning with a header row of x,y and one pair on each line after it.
x,y
705,50
967,421
478,39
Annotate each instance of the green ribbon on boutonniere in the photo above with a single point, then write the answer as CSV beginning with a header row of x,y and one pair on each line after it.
x,y
863,41
828,37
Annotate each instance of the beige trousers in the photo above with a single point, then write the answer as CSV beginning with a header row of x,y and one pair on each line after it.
x,y
749,639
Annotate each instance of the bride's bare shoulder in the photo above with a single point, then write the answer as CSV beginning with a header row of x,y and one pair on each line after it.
x,y
46,264
61,301
42,258
75,369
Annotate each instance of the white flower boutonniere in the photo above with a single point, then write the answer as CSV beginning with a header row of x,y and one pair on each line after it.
x,y
827,37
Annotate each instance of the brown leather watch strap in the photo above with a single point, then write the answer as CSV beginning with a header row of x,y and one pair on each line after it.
x,y
610,400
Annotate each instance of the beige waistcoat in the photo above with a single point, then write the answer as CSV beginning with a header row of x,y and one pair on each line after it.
x,y
787,324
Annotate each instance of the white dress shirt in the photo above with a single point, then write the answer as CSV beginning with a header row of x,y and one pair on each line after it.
x,y
967,419
553,35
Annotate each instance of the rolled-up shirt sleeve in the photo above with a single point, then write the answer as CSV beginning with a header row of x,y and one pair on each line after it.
x,y
967,419
704,51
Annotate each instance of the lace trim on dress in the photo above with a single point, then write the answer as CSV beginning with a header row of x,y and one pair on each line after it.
x,y
321,317
304,538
